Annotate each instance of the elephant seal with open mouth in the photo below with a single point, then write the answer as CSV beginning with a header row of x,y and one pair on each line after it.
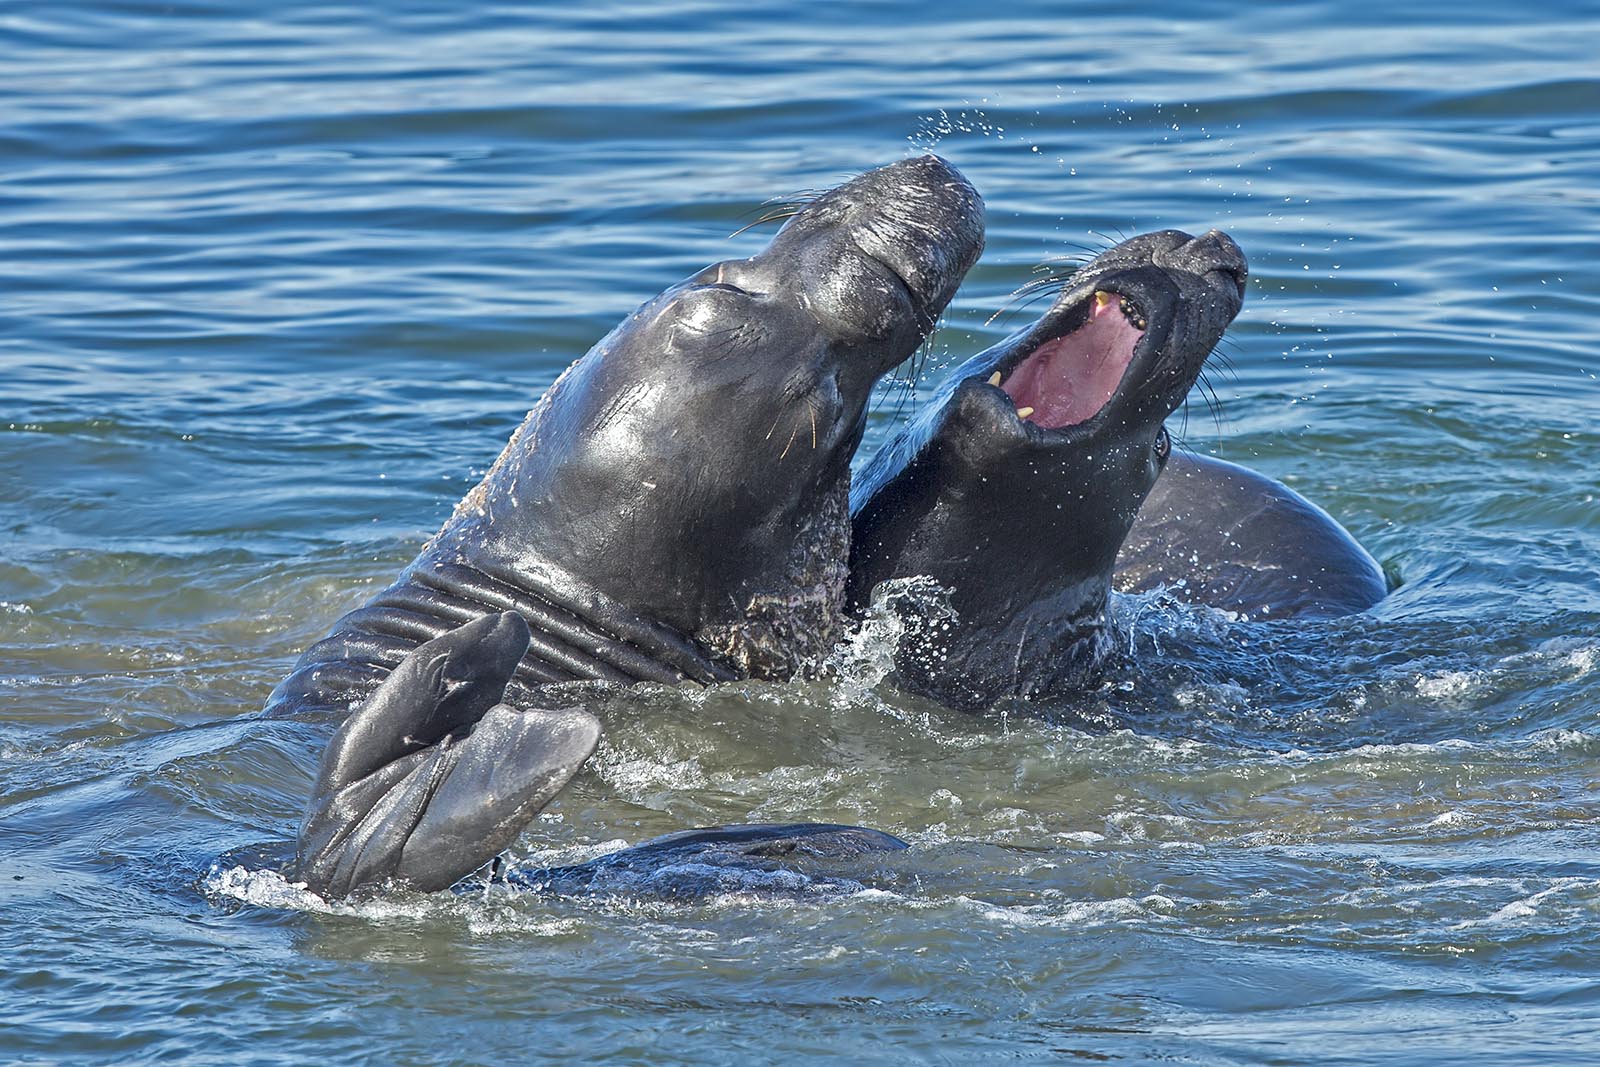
x,y
1016,488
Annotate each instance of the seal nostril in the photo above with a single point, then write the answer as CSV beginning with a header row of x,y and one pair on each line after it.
x,y
1225,255
1240,275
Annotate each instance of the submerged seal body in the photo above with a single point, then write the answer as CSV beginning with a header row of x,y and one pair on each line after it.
x,y
1224,536
674,508
760,858
1016,488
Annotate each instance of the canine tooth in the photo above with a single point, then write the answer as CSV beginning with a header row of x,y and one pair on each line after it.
x,y
994,379
1023,413
1102,298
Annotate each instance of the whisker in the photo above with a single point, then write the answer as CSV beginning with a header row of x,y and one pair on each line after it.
x,y
1223,362
906,384
1032,288
1212,401
781,207
1047,278
771,216
1089,251
1110,242
1011,306
1049,281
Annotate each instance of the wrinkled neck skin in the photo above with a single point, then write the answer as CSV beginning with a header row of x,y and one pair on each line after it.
x,y
1026,547
695,465
763,596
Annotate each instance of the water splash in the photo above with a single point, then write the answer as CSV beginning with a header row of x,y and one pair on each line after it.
x,y
901,610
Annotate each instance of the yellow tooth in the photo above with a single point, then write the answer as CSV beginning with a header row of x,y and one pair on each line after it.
x,y
1023,413
1102,298
994,379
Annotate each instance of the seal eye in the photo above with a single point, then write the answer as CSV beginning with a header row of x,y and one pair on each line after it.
x,y
1163,444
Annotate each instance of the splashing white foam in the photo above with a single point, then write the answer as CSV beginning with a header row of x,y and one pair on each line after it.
x,y
270,889
1449,685
900,608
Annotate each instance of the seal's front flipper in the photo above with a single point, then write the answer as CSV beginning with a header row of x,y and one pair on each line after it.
x,y
432,776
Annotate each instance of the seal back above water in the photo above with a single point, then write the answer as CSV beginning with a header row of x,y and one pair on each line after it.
x,y
1216,534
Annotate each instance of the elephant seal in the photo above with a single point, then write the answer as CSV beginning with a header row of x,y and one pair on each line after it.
x,y
1217,534
761,858
1016,488
674,509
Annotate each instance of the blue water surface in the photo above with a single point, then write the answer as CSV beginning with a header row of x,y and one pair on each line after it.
x,y
280,279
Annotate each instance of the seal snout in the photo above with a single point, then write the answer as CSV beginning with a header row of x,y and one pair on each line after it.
x,y
1216,252
923,221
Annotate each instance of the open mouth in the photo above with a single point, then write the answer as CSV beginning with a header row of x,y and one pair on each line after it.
x,y
1070,379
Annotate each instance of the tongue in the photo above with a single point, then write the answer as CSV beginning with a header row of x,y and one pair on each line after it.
x,y
1069,379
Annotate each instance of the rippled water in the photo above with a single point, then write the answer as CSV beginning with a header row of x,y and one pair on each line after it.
x,y
280,279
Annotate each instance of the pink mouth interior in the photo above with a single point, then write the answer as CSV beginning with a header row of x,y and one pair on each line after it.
x,y
1067,380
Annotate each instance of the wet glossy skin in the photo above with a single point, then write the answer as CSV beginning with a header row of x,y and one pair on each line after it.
x,y
1023,521
674,508
1224,536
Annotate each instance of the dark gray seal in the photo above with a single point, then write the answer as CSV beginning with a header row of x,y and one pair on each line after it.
x,y
1016,488
674,509
1217,534
762,859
